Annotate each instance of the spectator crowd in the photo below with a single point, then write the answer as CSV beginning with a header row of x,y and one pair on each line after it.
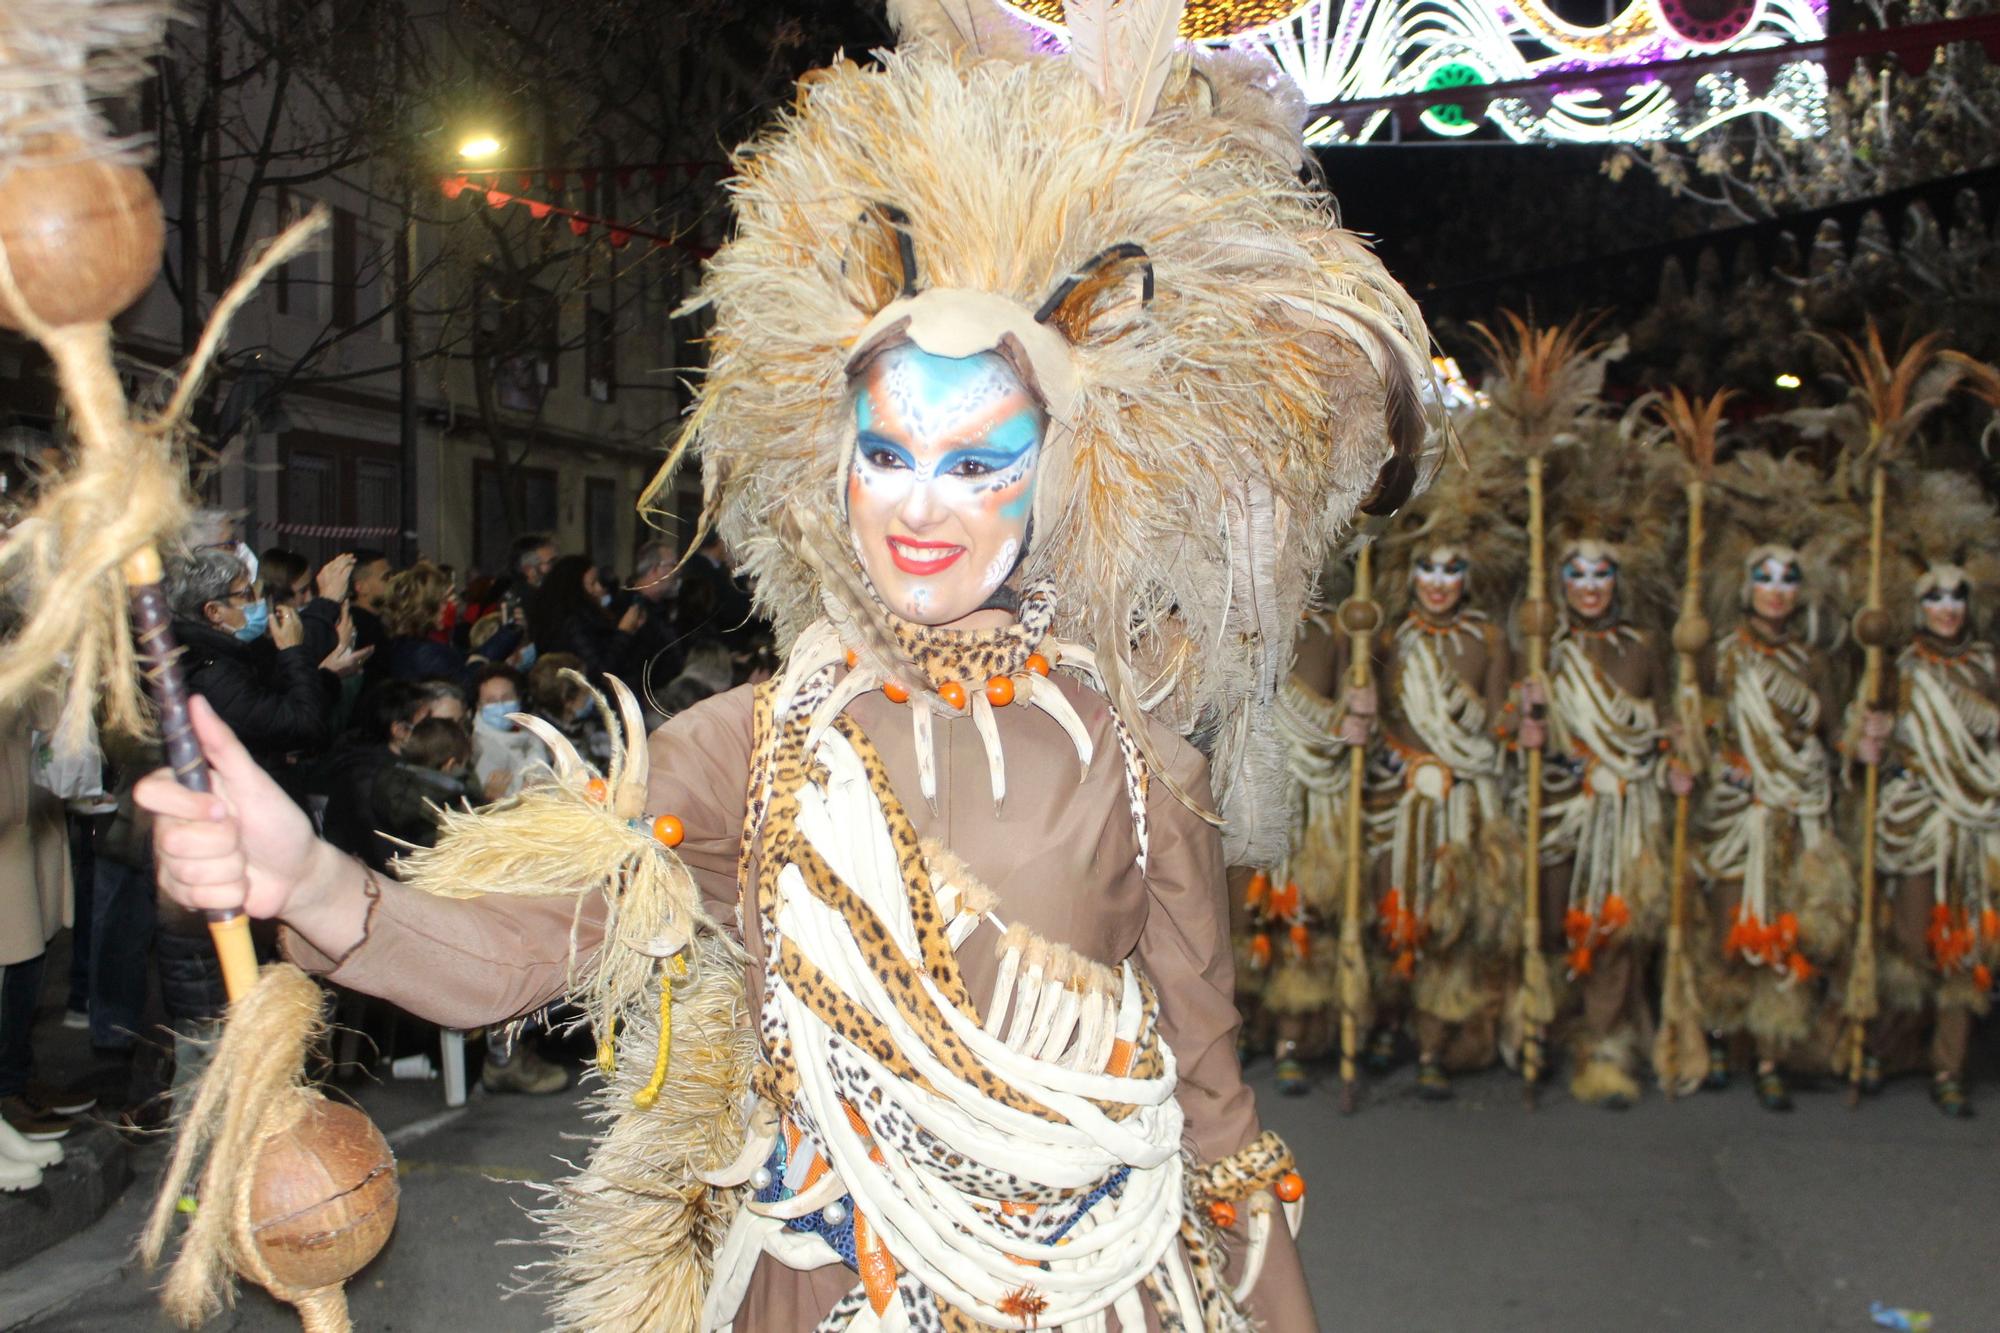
x,y
378,695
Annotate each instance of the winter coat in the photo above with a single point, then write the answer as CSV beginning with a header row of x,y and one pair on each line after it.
x,y
35,897
270,697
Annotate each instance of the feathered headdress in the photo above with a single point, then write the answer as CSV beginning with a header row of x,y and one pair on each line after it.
x,y
1613,497
1761,504
1943,528
1226,371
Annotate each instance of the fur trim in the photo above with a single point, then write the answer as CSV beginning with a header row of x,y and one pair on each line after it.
x,y
1449,989
1222,435
1778,1014
1499,871
1827,894
1903,986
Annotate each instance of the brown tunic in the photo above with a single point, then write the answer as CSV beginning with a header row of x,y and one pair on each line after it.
x,y
1060,855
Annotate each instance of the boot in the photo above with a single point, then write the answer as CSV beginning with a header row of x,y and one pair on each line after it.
x,y
526,1072
1433,1085
15,1148
1949,1095
1771,1093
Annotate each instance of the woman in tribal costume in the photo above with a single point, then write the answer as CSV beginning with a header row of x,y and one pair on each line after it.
x,y
1035,380
1605,767
1287,964
1445,856
1781,889
1938,819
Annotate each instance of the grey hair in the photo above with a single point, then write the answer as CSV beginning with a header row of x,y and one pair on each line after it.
x,y
202,577
205,528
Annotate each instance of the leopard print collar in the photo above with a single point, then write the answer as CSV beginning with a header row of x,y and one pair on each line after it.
x,y
945,655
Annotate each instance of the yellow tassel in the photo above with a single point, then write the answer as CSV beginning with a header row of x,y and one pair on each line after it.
x,y
607,1051
646,1096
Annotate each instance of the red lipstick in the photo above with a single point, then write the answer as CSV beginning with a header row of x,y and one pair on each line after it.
x,y
923,558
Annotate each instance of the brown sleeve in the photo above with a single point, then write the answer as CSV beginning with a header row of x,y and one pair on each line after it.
x,y
463,962
1184,949
459,962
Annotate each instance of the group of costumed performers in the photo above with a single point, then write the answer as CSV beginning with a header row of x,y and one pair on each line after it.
x,y
1759,742
1041,386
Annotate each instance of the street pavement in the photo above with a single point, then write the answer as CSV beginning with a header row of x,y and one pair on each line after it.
x,y
1477,1214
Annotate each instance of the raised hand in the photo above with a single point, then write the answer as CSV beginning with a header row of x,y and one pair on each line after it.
x,y
335,577
243,845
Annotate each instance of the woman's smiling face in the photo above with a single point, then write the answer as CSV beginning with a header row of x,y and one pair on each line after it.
x,y
943,482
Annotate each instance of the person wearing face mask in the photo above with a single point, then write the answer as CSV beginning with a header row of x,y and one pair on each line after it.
x,y
928,933
503,753
1938,820
1606,771
1781,890
249,661
1446,855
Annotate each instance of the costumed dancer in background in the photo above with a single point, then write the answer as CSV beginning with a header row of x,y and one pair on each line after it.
x,y
1605,770
1781,887
1446,858
1294,912
1040,387
1937,828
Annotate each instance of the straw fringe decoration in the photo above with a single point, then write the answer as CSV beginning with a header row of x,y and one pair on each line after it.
x,y
251,1097
127,488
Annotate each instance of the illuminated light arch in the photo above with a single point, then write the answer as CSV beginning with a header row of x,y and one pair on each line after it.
x,y
1201,21
1382,48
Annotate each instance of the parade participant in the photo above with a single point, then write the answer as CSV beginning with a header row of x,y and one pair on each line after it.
x,y
1604,783
1039,385
1293,911
1938,820
1780,886
1446,858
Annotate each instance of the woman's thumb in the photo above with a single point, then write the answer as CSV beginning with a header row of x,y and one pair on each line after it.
x,y
225,754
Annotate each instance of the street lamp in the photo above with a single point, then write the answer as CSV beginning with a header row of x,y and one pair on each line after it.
x,y
478,147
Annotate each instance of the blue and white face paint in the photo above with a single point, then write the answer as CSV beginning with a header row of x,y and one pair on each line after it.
x,y
943,480
1589,580
1944,600
1438,577
1774,582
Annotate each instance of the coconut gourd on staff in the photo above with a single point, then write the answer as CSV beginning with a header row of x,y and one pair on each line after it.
x,y
295,1192
1040,385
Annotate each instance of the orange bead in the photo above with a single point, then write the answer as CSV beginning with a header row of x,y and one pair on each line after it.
x,y
1982,978
896,693
1291,1187
953,694
1223,1213
1301,942
596,789
1038,664
1000,691
669,830
852,657
1260,952
1260,886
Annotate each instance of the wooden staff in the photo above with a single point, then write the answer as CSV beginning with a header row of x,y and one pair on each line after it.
x,y
1871,627
152,625
1360,617
1537,623
1677,1056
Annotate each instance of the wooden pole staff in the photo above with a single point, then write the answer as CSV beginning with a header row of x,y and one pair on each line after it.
x,y
1871,627
1537,622
1360,617
1680,1050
